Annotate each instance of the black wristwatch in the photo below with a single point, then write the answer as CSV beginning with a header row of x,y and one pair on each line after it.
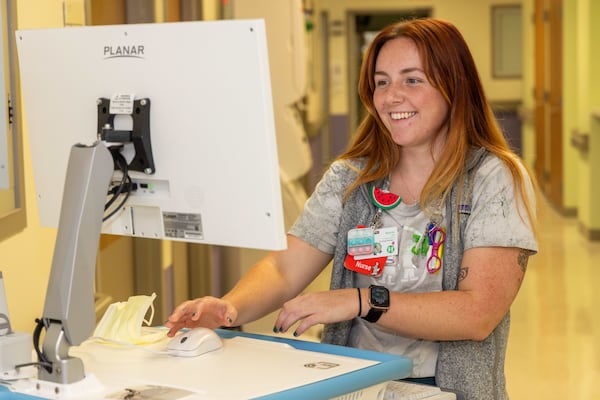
x,y
379,300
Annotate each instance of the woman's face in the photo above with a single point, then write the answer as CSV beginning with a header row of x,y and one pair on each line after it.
x,y
414,112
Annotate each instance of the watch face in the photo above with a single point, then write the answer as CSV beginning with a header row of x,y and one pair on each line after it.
x,y
380,297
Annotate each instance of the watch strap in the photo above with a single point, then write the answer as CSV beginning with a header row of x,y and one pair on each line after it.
x,y
373,315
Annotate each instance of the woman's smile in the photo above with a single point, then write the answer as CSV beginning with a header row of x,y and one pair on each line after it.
x,y
402,115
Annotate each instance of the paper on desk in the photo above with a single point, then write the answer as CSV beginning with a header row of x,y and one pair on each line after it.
x,y
150,392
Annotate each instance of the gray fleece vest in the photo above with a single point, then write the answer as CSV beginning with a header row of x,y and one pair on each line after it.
x,y
472,368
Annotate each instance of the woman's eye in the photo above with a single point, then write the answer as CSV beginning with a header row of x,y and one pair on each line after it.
x,y
380,82
413,81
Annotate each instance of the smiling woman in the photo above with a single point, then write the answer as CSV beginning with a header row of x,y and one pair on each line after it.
x,y
12,204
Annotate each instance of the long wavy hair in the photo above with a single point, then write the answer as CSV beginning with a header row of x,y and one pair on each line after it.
x,y
450,68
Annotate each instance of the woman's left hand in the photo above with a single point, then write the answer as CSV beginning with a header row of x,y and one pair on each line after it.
x,y
317,308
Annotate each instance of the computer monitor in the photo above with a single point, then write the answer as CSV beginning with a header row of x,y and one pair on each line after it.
x,y
188,106
216,176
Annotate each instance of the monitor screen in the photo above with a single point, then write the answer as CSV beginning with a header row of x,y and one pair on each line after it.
x,y
207,169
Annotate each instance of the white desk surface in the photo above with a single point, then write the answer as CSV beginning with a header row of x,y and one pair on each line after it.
x,y
247,367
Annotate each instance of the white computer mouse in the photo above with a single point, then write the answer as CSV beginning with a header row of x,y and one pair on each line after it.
x,y
194,342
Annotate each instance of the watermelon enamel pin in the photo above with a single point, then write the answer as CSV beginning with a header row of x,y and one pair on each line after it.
x,y
384,199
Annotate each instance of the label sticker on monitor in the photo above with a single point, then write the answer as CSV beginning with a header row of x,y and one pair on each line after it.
x,y
183,226
121,103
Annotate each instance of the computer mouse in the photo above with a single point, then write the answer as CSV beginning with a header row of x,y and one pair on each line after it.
x,y
194,342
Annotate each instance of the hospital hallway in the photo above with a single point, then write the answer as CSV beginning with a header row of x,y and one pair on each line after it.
x,y
554,343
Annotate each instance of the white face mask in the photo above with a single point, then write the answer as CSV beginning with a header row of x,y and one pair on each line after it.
x,y
123,321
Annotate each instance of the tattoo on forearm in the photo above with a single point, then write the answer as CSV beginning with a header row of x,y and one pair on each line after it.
x,y
464,271
522,259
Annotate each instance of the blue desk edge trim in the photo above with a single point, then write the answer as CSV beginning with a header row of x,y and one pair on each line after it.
x,y
6,393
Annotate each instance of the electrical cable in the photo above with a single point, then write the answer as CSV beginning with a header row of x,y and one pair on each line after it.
x,y
125,197
124,188
120,162
43,360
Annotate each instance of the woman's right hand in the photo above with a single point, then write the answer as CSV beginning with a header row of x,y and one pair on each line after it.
x,y
210,312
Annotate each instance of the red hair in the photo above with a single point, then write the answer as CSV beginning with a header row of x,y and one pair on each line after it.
x,y
450,68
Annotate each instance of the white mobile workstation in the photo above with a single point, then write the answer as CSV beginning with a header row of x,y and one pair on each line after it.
x,y
247,367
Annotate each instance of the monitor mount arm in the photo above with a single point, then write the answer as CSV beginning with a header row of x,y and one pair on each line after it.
x,y
69,310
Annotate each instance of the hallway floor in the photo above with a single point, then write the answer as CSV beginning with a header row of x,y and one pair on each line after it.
x,y
554,344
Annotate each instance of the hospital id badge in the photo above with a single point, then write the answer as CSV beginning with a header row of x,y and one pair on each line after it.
x,y
369,250
385,243
361,241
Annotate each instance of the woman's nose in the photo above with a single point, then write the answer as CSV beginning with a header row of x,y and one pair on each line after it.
x,y
396,92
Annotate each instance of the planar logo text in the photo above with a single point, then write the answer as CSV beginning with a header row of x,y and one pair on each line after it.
x,y
131,51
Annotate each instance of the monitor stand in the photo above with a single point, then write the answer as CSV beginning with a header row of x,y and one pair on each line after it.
x,y
69,310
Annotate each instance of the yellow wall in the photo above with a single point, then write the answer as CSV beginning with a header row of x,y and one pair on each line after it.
x,y
528,84
571,52
26,257
581,106
590,115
